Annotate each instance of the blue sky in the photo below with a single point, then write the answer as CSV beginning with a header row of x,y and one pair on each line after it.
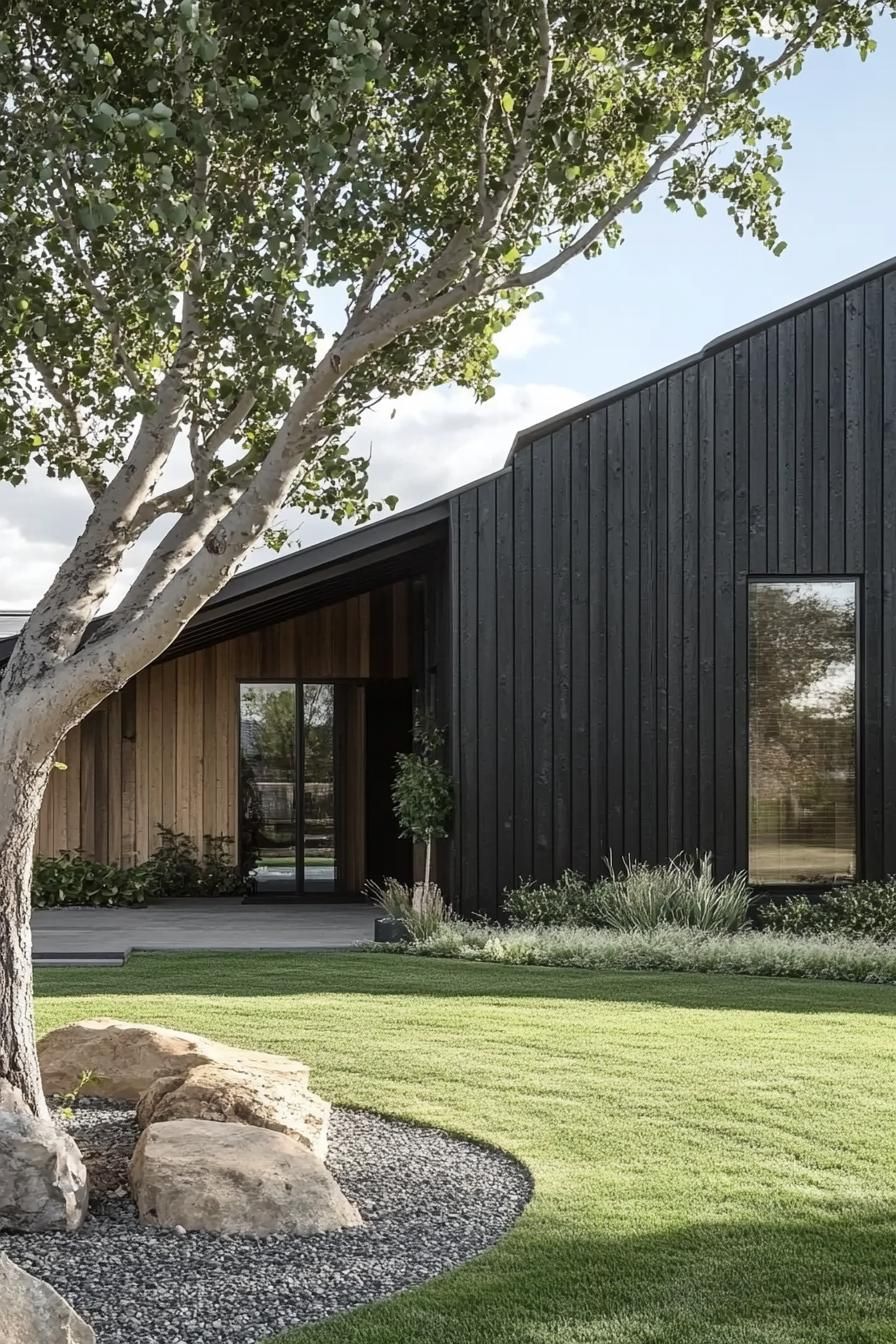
x,y
677,282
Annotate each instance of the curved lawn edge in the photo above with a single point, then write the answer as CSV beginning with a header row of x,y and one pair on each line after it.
x,y
765,953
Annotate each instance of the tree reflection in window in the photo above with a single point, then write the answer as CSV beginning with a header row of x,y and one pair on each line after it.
x,y
802,731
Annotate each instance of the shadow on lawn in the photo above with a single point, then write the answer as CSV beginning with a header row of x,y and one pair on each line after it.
x,y
820,1277
268,974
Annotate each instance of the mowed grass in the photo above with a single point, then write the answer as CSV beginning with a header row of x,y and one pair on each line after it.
x,y
714,1158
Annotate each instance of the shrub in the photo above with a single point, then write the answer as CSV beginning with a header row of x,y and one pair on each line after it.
x,y
682,892
571,900
663,949
864,910
72,879
176,870
422,910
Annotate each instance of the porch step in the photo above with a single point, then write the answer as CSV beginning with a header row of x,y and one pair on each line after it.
x,y
43,959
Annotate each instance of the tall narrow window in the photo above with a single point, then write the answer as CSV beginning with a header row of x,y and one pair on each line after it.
x,y
802,731
268,779
318,787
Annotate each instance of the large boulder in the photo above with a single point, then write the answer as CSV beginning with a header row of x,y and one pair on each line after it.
x,y
125,1058
33,1313
43,1183
208,1176
229,1095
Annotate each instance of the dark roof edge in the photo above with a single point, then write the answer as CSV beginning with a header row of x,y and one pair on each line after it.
x,y
712,347
273,573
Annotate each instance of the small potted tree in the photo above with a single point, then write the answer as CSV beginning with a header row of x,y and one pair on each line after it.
x,y
422,798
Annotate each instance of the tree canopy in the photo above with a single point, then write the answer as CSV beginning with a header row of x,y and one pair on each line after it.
x,y
181,183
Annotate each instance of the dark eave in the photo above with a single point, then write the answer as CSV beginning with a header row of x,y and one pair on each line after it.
x,y
712,347
398,546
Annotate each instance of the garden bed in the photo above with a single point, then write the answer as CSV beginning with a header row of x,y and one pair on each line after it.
x,y
429,1201
667,948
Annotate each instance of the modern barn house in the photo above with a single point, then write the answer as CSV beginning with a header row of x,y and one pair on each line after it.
x,y
669,623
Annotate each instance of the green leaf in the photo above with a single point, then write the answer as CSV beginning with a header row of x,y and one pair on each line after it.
x,y
508,102
597,53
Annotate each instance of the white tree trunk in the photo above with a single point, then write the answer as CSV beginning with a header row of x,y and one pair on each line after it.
x,y
427,865
22,787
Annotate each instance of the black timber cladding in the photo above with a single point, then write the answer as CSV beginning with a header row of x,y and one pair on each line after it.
x,y
601,595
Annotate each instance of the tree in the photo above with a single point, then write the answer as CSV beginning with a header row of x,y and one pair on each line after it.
x,y
182,184
422,793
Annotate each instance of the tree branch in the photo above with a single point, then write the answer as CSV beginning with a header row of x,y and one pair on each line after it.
x,y
525,279
98,298
93,485
231,422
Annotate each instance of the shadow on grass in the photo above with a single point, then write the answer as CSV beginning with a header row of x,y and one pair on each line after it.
x,y
825,1275
269,974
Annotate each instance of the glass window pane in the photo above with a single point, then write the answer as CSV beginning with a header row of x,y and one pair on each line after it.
x,y
802,731
268,783
318,788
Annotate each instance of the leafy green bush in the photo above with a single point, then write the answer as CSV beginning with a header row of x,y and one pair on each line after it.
x,y
863,910
681,892
72,879
570,900
422,910
176,870
663,949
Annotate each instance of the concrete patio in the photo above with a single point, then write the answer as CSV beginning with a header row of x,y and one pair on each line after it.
x,y
81,935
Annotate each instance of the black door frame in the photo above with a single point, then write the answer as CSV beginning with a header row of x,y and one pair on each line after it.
x,y
298,684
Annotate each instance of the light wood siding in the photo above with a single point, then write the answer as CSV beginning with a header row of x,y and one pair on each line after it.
x,y
164,750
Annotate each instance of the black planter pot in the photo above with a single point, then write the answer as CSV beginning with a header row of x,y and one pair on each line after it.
x,y
388,930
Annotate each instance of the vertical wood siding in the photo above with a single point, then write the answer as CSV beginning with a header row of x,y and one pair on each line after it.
x,y
601,604
165,749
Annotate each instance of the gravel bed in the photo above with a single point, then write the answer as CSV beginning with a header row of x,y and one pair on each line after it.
x,y
429,1202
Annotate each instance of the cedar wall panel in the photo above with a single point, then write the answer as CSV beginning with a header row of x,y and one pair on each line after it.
x,y
165,749
601,587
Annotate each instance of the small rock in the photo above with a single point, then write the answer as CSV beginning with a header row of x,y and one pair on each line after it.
x,y
43,1181
180,1230
34,1313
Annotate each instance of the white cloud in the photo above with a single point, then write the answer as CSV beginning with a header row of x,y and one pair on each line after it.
x,y
526,333
436,440
440,439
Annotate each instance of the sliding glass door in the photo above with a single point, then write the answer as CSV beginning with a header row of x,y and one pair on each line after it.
x,y
802,731
288,787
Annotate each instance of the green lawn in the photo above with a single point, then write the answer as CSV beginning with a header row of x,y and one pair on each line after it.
x,y
714,1158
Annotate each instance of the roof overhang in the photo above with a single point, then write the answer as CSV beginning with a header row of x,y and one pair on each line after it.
x,y
400,546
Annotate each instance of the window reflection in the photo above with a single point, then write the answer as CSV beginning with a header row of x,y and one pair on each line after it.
x,y
318,787
268,783
802,731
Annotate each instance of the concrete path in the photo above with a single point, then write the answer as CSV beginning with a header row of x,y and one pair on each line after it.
x,y
96,936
